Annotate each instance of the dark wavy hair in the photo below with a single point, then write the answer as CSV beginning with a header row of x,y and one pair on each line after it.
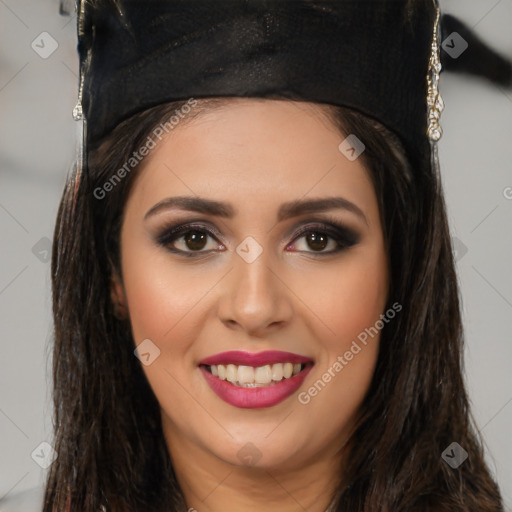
x,y
108,434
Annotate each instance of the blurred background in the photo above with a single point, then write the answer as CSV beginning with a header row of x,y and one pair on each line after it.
x,y
38,90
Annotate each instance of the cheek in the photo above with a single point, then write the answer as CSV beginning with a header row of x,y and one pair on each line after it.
x,y
349,298
165,307
348,302
159,297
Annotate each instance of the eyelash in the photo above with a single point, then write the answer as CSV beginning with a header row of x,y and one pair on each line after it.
x,y
342,235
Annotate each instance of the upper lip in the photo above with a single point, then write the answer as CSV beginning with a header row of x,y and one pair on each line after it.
x,y
240,357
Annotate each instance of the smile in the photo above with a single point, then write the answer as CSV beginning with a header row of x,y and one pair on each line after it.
x,y
249,380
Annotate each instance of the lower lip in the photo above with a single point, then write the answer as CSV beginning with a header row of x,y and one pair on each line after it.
x,y
255,398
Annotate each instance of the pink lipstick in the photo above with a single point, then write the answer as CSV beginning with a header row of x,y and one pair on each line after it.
x,y
255,380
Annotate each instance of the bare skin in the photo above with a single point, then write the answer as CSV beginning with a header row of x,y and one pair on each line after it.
x,y
297,296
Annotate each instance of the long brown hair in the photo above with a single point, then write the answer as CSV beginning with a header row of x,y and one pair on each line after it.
x,y
108,434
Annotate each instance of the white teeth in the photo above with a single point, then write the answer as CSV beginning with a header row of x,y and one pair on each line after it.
x,y
277,372
245,375
263,374
231,372
248,376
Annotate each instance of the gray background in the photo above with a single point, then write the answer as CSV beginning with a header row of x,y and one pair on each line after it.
x,y
37,146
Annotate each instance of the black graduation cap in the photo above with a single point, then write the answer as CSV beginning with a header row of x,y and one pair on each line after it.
x,y
370,55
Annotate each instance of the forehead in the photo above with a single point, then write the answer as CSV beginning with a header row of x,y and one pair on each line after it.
x,y
253,150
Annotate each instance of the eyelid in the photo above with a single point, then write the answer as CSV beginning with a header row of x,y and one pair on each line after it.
x,y
171,228
326,222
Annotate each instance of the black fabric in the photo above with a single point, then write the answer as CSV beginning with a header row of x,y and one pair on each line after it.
x,y
371,55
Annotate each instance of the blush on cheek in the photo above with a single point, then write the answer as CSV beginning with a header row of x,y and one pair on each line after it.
x,y
354,302
158,297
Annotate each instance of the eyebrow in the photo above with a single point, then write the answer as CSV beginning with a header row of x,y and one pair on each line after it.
x,y
226,210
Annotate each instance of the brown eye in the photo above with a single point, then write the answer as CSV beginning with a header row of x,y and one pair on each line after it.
x,y
325,239
317,241
189,240
195,240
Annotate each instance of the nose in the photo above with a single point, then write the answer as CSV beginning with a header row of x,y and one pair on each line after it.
x,y
255,298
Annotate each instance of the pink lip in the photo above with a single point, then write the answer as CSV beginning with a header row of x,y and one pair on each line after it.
x,y
255,398
240,357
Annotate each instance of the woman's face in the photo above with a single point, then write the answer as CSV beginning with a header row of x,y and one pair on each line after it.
x,y
279,267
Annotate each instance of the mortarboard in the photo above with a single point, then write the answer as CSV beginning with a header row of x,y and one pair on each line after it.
x,y
380,57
